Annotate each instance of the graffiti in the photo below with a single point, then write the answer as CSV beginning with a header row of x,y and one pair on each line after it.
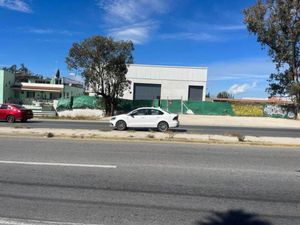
x,y
279,111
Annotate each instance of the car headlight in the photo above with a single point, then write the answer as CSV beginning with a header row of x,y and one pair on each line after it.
x,y
113,118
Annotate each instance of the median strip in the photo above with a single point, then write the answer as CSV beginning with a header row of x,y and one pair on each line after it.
x,y
58,164
149,136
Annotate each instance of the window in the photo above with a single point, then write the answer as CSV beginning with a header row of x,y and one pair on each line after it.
x,y
140,112
30,94
155,112
4,107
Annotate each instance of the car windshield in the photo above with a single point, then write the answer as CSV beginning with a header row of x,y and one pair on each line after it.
x,y
19,106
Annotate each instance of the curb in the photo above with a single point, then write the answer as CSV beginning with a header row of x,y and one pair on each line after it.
x,y
147,136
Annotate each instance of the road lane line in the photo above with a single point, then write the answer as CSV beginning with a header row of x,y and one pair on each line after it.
x,y
58,164
10,221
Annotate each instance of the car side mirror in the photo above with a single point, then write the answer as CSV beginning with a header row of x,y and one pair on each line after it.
x,y
132,115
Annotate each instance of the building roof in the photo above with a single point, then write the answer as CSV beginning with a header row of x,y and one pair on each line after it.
x,y
39,87
166,66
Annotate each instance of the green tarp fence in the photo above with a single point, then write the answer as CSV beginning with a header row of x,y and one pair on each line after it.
x,y
125,105
186,107
87,102
197,107
173,106
64,104
208,108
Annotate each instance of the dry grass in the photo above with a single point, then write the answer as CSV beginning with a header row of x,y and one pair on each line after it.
x,y
239,136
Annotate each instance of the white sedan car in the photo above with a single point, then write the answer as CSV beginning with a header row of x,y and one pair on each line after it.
x,y
146,117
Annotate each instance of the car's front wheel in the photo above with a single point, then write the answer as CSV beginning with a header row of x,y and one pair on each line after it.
x,y
121,125
163,126
10,119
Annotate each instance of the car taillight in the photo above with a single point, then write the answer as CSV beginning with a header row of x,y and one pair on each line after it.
x,y
176,118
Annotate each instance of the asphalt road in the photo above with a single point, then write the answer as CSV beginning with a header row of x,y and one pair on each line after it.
x,y
250,131
115,183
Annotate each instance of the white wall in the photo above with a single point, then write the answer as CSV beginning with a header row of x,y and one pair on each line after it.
x,y
174,80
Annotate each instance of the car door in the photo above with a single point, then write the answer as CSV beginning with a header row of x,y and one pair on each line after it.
x,y
154,117
138,118
3,111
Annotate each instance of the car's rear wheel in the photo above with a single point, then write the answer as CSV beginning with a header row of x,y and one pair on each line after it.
x,y
10,119
163,126
121,125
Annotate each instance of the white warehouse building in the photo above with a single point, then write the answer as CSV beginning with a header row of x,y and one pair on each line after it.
x,y
166,82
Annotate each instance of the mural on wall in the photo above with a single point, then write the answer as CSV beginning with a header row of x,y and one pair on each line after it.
x,y
248,109
279,111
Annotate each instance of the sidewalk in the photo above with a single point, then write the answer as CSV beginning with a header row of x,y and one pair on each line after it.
x,y
235,121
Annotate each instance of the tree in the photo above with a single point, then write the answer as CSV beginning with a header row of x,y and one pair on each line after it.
x,y
57,75
103,63
21,71
12,68
276,23
224,94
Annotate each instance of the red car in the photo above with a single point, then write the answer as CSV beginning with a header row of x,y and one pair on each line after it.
x,y
12,113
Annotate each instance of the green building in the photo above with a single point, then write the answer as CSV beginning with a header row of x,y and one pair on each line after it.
x,y
35,90
7,80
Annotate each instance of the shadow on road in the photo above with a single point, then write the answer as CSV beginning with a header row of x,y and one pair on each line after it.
x,y
233,217
19,122
177,130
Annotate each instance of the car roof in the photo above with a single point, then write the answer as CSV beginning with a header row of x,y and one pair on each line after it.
x,y
148,108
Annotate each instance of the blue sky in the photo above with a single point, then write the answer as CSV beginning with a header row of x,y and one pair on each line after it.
x,y
207,33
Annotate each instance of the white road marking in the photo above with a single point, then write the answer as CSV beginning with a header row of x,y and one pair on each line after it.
x,y
8,221
58,164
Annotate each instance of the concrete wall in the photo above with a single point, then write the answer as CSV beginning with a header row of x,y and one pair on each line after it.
x,y
174,80
82,113
7,80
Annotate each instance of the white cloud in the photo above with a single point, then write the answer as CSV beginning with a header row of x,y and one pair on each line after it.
x,y
137,33
48,31
17,5
132,19
131,11
228,27
246,69
201,36
241,88
212,32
